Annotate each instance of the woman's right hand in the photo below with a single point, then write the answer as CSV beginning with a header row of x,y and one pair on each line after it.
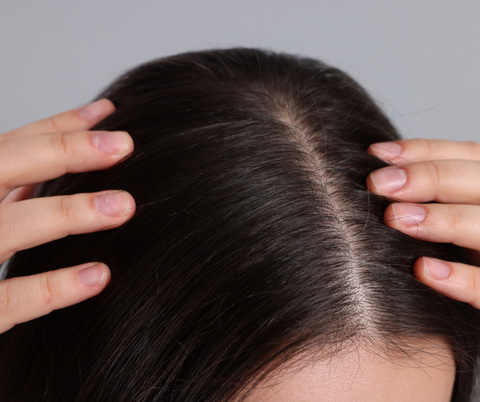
x,y
42,151
447,172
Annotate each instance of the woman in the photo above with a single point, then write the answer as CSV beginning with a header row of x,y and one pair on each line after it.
x,y
256,267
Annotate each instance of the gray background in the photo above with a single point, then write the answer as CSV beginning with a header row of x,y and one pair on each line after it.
x,y
419,59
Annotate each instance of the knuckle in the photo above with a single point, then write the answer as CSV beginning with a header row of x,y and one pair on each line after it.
x,y
8,299
471,289
62,144
434,172
51,124
65,209
47,291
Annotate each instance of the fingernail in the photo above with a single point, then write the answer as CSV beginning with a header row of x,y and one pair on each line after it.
x,y
92,275
388,180
408,215
114,203
436,269
386,150
110,142
94,110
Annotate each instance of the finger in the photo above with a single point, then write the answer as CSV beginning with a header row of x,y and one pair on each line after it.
x,y
23,299
74,120
29,223
457,281
440,223
38,158
418,150
450,181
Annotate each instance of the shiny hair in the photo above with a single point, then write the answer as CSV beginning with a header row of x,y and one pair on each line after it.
x,y
254,240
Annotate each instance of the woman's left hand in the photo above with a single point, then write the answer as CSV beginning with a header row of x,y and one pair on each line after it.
x,y
447,172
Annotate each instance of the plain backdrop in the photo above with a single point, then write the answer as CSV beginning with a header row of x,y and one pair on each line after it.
x,y
419,59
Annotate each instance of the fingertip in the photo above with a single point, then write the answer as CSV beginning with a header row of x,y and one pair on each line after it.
x,y
389,216
371,184
386,151
419,269
131,206
96,111
433,273
116,143
115,203
94,275
436,269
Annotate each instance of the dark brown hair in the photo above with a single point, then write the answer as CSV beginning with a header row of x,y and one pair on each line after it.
x,y
254,240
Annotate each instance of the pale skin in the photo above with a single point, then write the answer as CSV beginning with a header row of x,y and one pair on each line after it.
x,y
42,151
365,375
435,170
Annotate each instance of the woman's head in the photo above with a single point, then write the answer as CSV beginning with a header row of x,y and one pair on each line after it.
x,y
256,251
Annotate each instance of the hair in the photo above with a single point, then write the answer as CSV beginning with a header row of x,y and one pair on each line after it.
x,y
254,240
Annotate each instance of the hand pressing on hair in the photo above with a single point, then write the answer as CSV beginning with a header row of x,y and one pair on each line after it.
x,y
435,170
42,151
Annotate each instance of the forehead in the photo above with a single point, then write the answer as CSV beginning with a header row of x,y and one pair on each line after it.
x,y
365,376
